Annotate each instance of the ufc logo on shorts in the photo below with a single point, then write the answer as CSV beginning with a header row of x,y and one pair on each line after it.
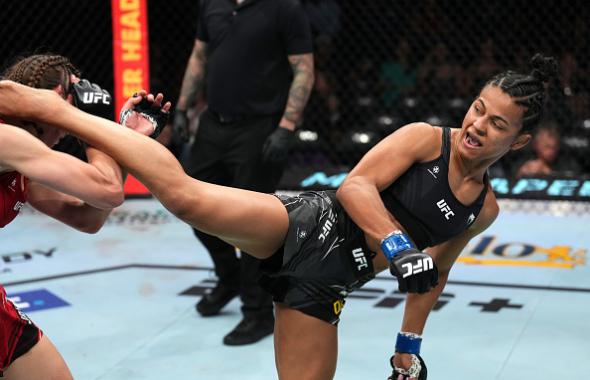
x,y
444,207
359,258
95,97
419,267
18,205
327,227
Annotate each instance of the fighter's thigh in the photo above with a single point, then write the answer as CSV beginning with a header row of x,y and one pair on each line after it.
x,y
255,222
306,348
42,362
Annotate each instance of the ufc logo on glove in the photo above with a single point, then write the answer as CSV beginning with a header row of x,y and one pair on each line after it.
x,y
423,264
95,98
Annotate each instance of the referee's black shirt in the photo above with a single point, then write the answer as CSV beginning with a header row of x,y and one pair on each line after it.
x,y
248,72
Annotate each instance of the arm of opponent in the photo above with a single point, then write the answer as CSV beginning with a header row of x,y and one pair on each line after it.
x,y
71,210
418,306
97,183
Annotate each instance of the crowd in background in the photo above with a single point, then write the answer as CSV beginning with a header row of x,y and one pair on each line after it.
x,y
434,78
378,64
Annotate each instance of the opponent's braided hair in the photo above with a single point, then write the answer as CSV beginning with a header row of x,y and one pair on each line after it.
x,y
42,71
528,90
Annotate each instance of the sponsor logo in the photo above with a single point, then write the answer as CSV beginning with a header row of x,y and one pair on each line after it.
x,y
12,185
471,219
360,259
19,257
445,209
141,218
18,205
320,178
35,300
528,188
485,252
420,266
432,172
338,305
301,234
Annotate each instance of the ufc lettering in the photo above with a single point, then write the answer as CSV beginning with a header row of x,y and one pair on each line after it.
x,y
327,226
444,207
421,266
94,98
359,257
18,206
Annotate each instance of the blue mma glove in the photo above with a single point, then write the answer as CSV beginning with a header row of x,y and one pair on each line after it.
x,y
415,271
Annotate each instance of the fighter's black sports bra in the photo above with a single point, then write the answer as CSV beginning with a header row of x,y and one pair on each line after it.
x,y
422,201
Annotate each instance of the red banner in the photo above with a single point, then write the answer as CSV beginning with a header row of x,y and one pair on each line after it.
x,y
131,60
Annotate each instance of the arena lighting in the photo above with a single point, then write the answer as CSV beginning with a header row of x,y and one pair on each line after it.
x,y
385,120
360,137
307,135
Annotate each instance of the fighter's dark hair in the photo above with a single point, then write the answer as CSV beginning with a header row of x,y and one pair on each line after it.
x,y
528,90
42,71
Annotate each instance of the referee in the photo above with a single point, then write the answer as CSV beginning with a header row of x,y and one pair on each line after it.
x,y
254,58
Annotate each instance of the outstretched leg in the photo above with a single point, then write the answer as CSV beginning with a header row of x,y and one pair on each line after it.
x,y
306,348
255,222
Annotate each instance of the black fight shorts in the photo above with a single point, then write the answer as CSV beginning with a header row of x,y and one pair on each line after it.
x,y
324,257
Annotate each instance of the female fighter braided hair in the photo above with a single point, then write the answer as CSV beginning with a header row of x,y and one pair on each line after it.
x,y
528,90
42,71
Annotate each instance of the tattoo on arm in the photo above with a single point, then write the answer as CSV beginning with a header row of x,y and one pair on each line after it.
x,y
194,76
303,78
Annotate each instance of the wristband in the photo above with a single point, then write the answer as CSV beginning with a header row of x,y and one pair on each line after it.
x,y
394,243
408,343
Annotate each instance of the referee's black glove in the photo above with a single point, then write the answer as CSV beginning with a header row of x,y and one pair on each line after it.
x,y
180,127
277,145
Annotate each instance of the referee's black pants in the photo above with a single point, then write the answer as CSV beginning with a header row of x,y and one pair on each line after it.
x,y
229,154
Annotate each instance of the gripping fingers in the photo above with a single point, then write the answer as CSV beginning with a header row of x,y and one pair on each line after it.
x,y
158,100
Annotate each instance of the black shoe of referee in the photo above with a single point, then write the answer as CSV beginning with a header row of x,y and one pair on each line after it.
x,y
250,330
212,303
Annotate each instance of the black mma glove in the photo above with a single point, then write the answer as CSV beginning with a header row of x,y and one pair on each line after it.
x,y
90,98
180,127
277,145
150,112
415,271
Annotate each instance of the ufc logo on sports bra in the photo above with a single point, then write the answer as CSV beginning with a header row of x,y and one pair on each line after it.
x,y
444,208
421,266
360,259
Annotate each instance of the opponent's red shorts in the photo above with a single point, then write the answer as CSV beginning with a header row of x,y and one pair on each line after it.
x,y
18,334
